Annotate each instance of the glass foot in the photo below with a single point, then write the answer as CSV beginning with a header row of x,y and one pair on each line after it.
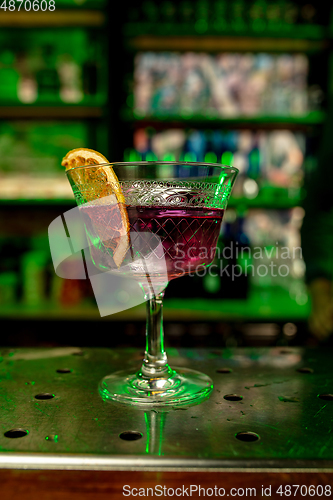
x,y
177,388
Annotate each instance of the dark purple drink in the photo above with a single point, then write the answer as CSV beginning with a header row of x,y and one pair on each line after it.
x,y
188,235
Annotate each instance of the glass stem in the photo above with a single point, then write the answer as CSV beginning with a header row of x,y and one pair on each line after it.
x,y
155,363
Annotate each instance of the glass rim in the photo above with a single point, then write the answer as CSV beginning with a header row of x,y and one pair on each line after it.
x,y
156,162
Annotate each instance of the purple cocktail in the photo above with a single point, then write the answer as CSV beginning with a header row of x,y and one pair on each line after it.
x,y
164,223
188,235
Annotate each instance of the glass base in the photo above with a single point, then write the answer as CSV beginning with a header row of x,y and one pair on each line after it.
x,y
176,388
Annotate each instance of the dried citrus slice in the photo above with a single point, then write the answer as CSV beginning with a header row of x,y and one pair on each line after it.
x,y
96,182
99,184
83,156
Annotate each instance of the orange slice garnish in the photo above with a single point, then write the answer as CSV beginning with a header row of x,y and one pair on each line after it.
x,y
100,185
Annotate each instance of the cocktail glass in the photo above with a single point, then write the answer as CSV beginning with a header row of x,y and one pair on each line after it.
x,y
180,206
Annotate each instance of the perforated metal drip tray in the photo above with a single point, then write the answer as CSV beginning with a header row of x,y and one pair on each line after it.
x,y
270,409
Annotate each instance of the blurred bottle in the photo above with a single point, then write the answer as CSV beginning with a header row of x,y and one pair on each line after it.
x,y
217,143
150,11
186,13
8,288
253,171
195,146
219,15
33,272
234,257
70,79
257,15
143,144
201,14
27,86
168,12
71,293
134,14
90,72
9,76
131,154
225,258
47,76
315,98
238,15
11,249
213,285
149,154
274,15
309,13
243,255
291,14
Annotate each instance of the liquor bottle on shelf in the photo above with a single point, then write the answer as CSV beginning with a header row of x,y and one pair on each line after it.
x,y
274,16
8,288
27,90
168,12
47,76
33,272
219,282
143,144
256,13
131,154
290,14
232,261
90,74
196,145
238,13
186,12
150,11
226,277
219,14
243,254
253,171
308,13
135,14
70,79
217,143
9,76
201,14
11,249
202,9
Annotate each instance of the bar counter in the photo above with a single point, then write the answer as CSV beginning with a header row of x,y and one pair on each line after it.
x,y
268,423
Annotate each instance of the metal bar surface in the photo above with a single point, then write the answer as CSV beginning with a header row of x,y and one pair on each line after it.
x,y
283,396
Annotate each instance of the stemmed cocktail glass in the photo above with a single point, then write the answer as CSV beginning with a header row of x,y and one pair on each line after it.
x,y
174,211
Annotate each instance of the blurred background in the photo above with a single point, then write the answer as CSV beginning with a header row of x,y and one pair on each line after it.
x,y
244,83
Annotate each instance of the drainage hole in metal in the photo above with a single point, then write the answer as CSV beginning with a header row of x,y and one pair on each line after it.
x,y
130,435
64,370
16,433
44,395
326,397
233,397
305,370
247,436
224,370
